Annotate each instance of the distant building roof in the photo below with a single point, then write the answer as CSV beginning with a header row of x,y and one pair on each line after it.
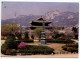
x,y
40,20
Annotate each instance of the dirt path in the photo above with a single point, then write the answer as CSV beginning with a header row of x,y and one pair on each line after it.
x,y
57,47
2,41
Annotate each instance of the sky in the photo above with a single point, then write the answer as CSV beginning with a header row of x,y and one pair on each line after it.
x,y
14,9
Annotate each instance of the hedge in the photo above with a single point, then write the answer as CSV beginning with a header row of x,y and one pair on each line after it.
x,y
33,49
26,41
59,41
3,48
30,49
71,48
11,44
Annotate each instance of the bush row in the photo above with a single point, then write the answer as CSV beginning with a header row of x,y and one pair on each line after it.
x,y
6,51
30,49
26,41
33,49
10,47
71,48
59,41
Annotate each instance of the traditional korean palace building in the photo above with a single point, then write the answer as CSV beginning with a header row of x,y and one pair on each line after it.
x,y
38,24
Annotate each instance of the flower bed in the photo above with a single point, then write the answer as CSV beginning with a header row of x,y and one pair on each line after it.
x,y
71,48
30,49
8,48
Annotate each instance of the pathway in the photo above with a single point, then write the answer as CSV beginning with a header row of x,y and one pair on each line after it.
x,y
57,47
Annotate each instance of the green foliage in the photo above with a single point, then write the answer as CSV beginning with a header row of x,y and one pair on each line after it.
x,y
3,48
11,52
11,36
17,34
10,48
26,41
4,33
71,48
11,44
74,29
76,45
10,28
64,48
33,49
55,32
26,35
32,37
38,31
60,41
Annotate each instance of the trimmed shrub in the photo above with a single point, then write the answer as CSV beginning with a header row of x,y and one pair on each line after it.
x,y
64,48
8,46
11,44
59,41
11,52
3,48
71,48
76,45
26,41
33,49
8,52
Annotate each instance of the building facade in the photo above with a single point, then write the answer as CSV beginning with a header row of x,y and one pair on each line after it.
x,y
39,24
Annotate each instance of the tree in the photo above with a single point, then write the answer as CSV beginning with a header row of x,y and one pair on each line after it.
x,y
55,32
26,35
38,32
75,31
11,28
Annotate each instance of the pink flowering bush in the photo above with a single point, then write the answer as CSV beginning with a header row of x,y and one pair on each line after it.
x,y
62,37
53,39
22,45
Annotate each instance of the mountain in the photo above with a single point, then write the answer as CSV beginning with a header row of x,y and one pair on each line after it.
x,y
22,20
52,14
66,19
